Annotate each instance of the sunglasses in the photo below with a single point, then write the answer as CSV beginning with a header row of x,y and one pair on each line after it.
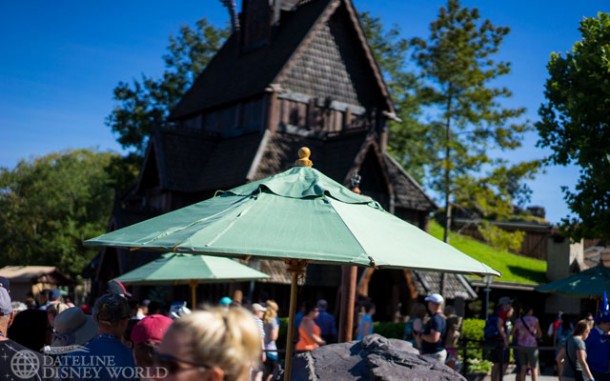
x,y
175,365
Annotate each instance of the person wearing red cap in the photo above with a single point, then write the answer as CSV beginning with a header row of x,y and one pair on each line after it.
x,y
146,335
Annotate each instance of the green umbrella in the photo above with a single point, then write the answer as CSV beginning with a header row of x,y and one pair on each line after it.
x,y
299,216
591,282
180,268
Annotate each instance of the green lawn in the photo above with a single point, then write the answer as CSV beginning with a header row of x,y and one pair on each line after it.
x,y
514,268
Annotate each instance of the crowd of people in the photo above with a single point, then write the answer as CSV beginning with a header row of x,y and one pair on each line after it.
x,y
121,339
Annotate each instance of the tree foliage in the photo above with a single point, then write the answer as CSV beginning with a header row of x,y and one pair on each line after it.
x,y
409,143
145,104
467,124
575,125
49,205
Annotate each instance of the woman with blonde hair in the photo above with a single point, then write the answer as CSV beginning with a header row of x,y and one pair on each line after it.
x,y
217,344
271,327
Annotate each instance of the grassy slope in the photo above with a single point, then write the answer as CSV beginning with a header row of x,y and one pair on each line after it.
x,y
514,268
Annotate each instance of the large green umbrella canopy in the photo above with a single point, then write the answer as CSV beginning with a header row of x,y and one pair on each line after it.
x,y
297,214
591,282
300,216
180,268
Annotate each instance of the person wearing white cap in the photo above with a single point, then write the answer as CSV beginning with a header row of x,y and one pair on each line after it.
x,y
434,330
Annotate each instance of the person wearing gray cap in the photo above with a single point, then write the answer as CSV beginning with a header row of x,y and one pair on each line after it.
x,y
110,355
12,352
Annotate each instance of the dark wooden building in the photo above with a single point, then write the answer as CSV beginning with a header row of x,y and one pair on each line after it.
x,y
295,73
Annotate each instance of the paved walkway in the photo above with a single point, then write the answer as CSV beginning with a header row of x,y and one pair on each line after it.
x,y
512,376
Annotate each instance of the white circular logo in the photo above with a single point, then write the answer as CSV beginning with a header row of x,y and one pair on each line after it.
x,y
25,364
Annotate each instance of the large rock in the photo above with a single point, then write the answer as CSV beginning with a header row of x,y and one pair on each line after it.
x,y
374,358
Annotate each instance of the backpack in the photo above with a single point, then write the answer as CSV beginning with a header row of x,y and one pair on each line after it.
x,y
491,331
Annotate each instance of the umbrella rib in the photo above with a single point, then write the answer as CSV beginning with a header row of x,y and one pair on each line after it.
x,y
362,251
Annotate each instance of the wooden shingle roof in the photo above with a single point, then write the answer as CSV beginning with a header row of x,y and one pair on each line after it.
x,y
236,75
190,161
233,75
408,193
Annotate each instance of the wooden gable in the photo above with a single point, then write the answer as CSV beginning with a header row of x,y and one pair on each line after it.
x,y
334,66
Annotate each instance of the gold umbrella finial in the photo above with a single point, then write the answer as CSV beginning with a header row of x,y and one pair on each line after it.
x,y
304,154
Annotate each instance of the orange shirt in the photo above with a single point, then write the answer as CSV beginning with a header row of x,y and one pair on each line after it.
x,y
306,342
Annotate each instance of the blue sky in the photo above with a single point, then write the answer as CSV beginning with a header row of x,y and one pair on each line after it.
x,y
61,60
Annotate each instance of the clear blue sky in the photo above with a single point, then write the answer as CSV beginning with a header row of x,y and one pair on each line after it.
x,y
61,60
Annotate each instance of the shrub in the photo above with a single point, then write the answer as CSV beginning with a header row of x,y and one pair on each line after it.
x,y
389,329
472,336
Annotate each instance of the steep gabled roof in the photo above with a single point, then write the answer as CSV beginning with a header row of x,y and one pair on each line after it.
x,y
233,75
335,156
191,161
408,193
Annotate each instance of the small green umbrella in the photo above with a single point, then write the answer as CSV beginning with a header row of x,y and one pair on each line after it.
x,y
299,216
180,268
591,282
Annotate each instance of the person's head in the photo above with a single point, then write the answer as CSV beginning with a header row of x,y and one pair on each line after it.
x,y
271,313
418,310
310,310
73,327
116,287
435,302
134,306
528,310
509,311
322,305
146,335
217,344
111,314
604,321
54,296
449,310
258,310
144,306
225,301
238,297
582,328
504,303
53,310
6,310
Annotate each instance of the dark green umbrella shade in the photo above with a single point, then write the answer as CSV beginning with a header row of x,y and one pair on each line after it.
x,y
591,282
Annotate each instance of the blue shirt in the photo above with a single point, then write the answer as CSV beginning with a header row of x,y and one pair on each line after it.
x,y
365,319
326,322
598,349
103,358
437,323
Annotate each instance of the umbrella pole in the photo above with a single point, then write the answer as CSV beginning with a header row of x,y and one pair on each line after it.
x,y
193,283
296,268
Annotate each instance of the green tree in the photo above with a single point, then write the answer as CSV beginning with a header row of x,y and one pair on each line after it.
x,y
49,205
575,125
408,138
468,124
146,103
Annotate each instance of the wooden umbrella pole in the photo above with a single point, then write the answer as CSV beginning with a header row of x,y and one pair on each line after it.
x,y
193,283
296,268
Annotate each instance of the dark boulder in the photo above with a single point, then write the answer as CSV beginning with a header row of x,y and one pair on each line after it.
x,y
374,358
